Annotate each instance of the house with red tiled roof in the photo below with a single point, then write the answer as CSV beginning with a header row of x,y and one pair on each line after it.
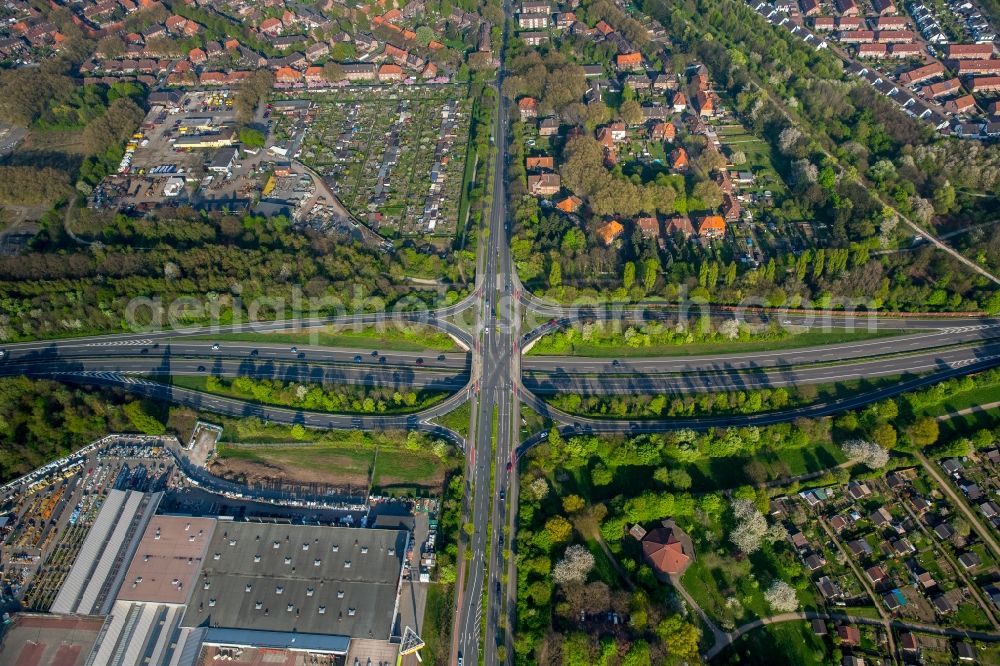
x,y
175,23
392,15
680,102
610,231
314,76
662,131
679,224
712,226
212,79
570,204
679,159
231,44
271,26
962,104
197,56
706,105
389,72
667,550
191,28
540,162
649,227
429,71
629,61
730,207
603,28
528,108
409,34
287,75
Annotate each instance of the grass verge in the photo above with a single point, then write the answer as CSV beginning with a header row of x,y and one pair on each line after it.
x,y
410,338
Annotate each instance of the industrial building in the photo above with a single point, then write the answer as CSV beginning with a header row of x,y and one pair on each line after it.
x,y
302,579
96,575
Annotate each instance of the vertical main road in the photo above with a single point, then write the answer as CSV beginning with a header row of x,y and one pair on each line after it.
x,y
482,597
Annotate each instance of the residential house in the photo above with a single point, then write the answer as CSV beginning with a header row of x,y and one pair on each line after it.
x,y
679,159
610,231
968,51
712,226
528,108
922,73
390,72
540,162
679,224
628,61
543,185
649,227
548,127
570,204
963,104
849,635
662,131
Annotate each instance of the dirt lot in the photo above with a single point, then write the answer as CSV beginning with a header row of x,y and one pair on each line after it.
x,y
270,468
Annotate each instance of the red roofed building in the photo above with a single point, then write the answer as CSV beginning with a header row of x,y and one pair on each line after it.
x,y
392,15
271,26
968,51
964,67
941,88
985,84
649,227
706,105
570,204
905,50
603,28
667,549
627,61
662,131
191,28
541,162
872,50
197,56
857,36
390,72
314,76
922,73
212,79
175,23
610,231
962,104
679,159
287,75
712,226
891,23
528,108
679,224
899,36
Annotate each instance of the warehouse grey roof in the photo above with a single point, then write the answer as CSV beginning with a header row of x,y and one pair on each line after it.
x,y
303,578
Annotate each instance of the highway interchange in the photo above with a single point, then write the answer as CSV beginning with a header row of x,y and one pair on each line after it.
x,y
492,327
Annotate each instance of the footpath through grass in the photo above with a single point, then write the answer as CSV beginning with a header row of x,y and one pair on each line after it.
x,y
390,337
554,345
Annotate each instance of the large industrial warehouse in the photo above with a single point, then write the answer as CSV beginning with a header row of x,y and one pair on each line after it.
x,y
180,590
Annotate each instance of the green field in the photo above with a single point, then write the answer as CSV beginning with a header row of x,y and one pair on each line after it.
x,y
457,419
783,643
391,337
388,460
548,345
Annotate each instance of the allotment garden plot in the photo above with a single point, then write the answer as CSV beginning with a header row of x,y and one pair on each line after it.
x,y
395,160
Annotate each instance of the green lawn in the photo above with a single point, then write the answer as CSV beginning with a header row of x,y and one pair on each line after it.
x,y
783,643
343,459
436,628
391,337
711,474
549,345
457,419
